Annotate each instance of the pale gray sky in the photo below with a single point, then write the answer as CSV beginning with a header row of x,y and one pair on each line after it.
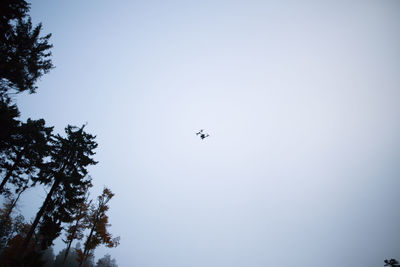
x,y
301,99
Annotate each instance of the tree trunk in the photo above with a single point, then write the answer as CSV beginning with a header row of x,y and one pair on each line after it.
x,y
11,170
86,250
67,252
9,211
14,203
80,217
37,219
70,242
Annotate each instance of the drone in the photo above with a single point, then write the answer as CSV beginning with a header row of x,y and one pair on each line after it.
x,y
202,134
391,262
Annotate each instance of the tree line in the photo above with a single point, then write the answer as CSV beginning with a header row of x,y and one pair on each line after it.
x,y
32,154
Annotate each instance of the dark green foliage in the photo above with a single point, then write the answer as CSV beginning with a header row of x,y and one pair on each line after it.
x,y
28,146
11,10
31,155
70,157
66,172
24,58
79,224
24,54
8,122
49,229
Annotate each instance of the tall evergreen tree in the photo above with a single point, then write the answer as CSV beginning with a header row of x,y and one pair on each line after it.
x,y
9,123
27,149
24,58
24,54
66,172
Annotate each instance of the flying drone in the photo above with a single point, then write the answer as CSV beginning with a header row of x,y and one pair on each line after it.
x,y
202,134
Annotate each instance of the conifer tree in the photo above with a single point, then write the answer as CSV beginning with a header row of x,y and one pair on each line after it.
x,y
24,58
24,53
28,146
66,172
9,123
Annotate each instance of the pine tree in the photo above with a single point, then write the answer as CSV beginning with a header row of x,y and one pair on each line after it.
x,y
66,172
9,123
24,58
24,54
28,146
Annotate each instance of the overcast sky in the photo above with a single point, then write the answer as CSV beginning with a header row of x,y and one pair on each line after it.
x,y
301,100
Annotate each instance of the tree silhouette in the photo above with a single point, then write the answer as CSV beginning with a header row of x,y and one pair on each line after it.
x,y
98,223
24,58
72,258
106,261
10,10
9,226
28,147
8,124
78,226
48,257
24,54
66,172
30,155
14,240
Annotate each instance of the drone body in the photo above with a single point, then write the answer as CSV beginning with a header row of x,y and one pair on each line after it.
x,y
202,134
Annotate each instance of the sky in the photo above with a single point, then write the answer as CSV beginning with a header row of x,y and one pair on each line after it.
x,y
301,101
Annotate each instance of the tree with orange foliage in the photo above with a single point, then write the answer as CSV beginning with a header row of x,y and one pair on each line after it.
x,y
77,227
98,224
